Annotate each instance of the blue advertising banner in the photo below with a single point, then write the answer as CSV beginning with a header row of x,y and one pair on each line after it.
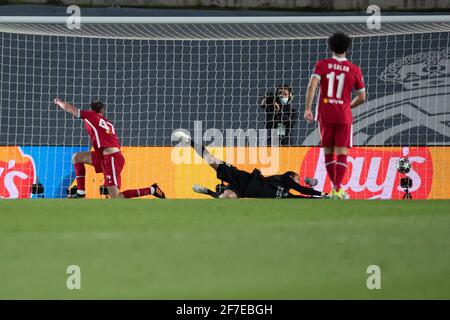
x,y
51,166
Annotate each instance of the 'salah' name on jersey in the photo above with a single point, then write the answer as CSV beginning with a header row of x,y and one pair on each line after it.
x,y
340,67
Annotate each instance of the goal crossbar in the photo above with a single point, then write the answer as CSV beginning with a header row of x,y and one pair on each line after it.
x,y
227,20
222,28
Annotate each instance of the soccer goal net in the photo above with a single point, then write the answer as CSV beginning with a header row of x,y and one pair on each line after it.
x,y
217,78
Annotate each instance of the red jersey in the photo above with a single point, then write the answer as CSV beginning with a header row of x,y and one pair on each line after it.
x,y
338,77
101,132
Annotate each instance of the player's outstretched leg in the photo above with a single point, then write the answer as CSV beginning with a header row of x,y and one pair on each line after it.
x,y
200,149
158,193
154,190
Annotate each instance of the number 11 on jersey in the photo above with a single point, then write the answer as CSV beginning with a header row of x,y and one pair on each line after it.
x,y
331,76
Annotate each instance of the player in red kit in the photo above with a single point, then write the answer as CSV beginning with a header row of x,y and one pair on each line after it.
x,y
337,78
106,157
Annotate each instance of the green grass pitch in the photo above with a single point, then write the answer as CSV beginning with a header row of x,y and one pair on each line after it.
x,y
224,249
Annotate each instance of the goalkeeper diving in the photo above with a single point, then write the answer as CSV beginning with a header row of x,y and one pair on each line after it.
x,y
243,184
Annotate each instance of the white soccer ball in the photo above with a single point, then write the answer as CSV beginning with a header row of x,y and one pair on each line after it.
x,y
181,136
403,165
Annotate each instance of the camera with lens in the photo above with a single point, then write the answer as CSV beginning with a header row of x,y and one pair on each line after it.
x,y
104,191
37,189
406,183
403,167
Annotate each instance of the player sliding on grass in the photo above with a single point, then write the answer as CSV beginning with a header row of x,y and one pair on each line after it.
x,y
106,157
242,184
337,77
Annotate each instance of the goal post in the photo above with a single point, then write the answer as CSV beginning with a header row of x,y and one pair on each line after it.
x,y
208,76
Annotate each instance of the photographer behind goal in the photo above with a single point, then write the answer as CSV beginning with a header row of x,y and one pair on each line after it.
x,y
243,184
280,114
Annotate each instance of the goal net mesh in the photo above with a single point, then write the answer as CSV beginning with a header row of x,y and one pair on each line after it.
x,y
210,80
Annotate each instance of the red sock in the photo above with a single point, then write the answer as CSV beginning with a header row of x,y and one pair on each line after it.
x,y
330,165
80,172
341,168
134,193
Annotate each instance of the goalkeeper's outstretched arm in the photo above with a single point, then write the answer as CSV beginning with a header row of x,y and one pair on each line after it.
x,y
67,107
199,148
289,182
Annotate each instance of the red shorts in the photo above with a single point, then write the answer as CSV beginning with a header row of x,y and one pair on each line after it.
x,y
336,134
97,158
111,165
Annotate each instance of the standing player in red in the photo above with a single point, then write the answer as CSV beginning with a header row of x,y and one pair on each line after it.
x,y
106,157
337,77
